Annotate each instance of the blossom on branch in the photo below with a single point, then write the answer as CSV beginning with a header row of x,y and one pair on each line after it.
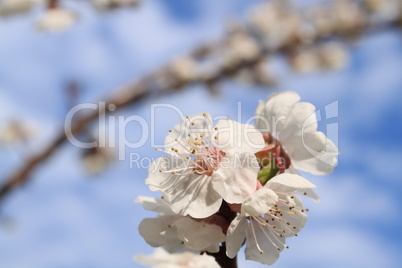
x,y
173,231
56,20
290,131
207,164
162,259
269,216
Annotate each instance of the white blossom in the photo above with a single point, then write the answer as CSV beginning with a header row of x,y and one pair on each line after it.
x,y
109,4
269,216
333,55
206,165
12,7
184,68
173,231
15,132
277,24
56,20
305,60
162,259
290,129
240,47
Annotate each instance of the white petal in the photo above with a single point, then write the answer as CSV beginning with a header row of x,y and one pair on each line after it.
x,y
259,203
188,194
259,115
162,259
159,231
158,205
264,240
199,236
160,255
233,137
308,148
236,177
160,181
195,196
272,117
235,235
288,183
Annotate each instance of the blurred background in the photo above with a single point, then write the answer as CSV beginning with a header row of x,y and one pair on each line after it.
x,y
76,209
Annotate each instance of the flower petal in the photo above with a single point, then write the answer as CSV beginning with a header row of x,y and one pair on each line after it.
x,y
263,239
165,180
236,177
288,183
158,205
232,137
309,149
292,183
159,231
199,236
271,115
162,259
194,195
259,203
235,235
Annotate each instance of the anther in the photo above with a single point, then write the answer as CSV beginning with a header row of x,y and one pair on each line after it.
x,y
170,130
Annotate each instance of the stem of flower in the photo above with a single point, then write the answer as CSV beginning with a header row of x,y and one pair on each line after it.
x,y
223,260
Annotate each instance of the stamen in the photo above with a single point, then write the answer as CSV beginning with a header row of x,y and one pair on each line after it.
x,y
255,237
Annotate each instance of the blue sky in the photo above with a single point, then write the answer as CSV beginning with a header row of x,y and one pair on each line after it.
x,y
65,218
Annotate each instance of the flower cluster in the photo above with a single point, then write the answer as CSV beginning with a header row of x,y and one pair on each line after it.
x,y
233,183
56,17
162,259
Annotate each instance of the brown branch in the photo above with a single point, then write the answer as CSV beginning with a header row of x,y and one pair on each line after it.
x,y
151,85
223,260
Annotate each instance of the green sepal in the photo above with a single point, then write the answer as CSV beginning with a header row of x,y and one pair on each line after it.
x,y
267,173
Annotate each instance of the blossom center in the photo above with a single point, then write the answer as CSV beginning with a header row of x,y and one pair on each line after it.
x,y
273,154
207,160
